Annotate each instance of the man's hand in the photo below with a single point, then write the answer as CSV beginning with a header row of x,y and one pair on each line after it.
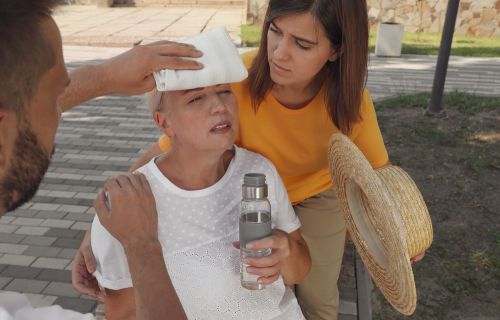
x,y
81,271
131,214
132,72
128,73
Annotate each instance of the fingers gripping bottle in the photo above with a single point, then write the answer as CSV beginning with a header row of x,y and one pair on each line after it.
x,y
255,224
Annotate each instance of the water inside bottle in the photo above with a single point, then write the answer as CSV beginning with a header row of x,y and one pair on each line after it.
x,y
253,226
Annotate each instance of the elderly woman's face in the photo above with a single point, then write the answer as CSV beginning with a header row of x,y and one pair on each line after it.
x,y
202,118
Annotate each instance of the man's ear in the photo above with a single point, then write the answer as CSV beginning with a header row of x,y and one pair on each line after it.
x,y
162,121
6,127
5,115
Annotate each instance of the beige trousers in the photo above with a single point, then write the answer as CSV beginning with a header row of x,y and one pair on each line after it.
x,y
323,228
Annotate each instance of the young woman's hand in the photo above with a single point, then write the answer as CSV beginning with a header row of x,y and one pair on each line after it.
x,y
418,257
84,265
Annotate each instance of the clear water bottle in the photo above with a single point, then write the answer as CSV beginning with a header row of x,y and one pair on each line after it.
x,y
255,224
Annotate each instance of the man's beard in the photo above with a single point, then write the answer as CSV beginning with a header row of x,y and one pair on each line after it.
x,y
27,169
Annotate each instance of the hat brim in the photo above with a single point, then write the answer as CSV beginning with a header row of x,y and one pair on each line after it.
x,y
373,223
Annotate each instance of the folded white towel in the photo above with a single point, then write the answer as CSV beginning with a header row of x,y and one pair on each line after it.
x,y
221,61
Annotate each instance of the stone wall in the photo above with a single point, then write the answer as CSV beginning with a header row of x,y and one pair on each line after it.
x,y
179,2
161,2
256,11
475,17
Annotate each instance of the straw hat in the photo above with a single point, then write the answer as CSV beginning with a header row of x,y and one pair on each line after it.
x,y
386,217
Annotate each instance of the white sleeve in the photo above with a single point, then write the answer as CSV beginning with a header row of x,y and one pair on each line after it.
x,y
51,313
16,306
283,214
112,267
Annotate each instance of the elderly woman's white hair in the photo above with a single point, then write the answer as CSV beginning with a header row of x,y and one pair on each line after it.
x,y
154,99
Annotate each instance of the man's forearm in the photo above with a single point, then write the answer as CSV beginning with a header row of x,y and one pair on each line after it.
x,y
87,82
154,293
129,73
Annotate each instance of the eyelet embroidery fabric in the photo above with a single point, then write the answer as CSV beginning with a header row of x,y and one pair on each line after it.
x,y
196,230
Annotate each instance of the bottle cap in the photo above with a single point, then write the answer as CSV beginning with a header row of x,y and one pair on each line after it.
x,y
254,180
254,186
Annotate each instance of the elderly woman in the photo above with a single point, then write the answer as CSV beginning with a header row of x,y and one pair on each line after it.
x,y
197,188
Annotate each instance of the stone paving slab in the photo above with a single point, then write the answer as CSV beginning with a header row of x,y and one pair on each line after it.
x,y
38,300
26,286
122,27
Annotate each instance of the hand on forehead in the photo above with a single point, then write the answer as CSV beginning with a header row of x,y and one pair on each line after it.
x,y
221,61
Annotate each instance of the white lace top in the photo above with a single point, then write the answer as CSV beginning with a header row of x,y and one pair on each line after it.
x,y
196,230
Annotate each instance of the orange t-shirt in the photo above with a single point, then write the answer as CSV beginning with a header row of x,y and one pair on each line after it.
x,y
296,141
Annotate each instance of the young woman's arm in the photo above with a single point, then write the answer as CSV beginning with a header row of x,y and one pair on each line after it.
x,y
144,158
298,263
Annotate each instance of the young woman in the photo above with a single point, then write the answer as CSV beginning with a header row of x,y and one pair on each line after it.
x,y
307,81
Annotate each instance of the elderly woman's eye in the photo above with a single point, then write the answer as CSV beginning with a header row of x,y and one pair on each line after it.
x,y
194,99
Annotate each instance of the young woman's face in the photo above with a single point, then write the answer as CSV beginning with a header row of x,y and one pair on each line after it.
x,y
203,118
297,49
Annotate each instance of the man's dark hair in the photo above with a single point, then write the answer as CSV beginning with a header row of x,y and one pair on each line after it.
x,y
25,53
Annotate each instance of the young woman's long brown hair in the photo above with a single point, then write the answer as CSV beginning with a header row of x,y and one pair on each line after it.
x,y
346,25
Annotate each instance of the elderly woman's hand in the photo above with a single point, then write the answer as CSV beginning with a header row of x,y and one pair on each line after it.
x,y
269,268
289,258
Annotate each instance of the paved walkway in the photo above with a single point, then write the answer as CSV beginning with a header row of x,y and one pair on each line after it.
x,y
413,73
104,137
121,27
386,76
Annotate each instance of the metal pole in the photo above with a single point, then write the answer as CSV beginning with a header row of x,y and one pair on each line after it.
x,y
435,107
